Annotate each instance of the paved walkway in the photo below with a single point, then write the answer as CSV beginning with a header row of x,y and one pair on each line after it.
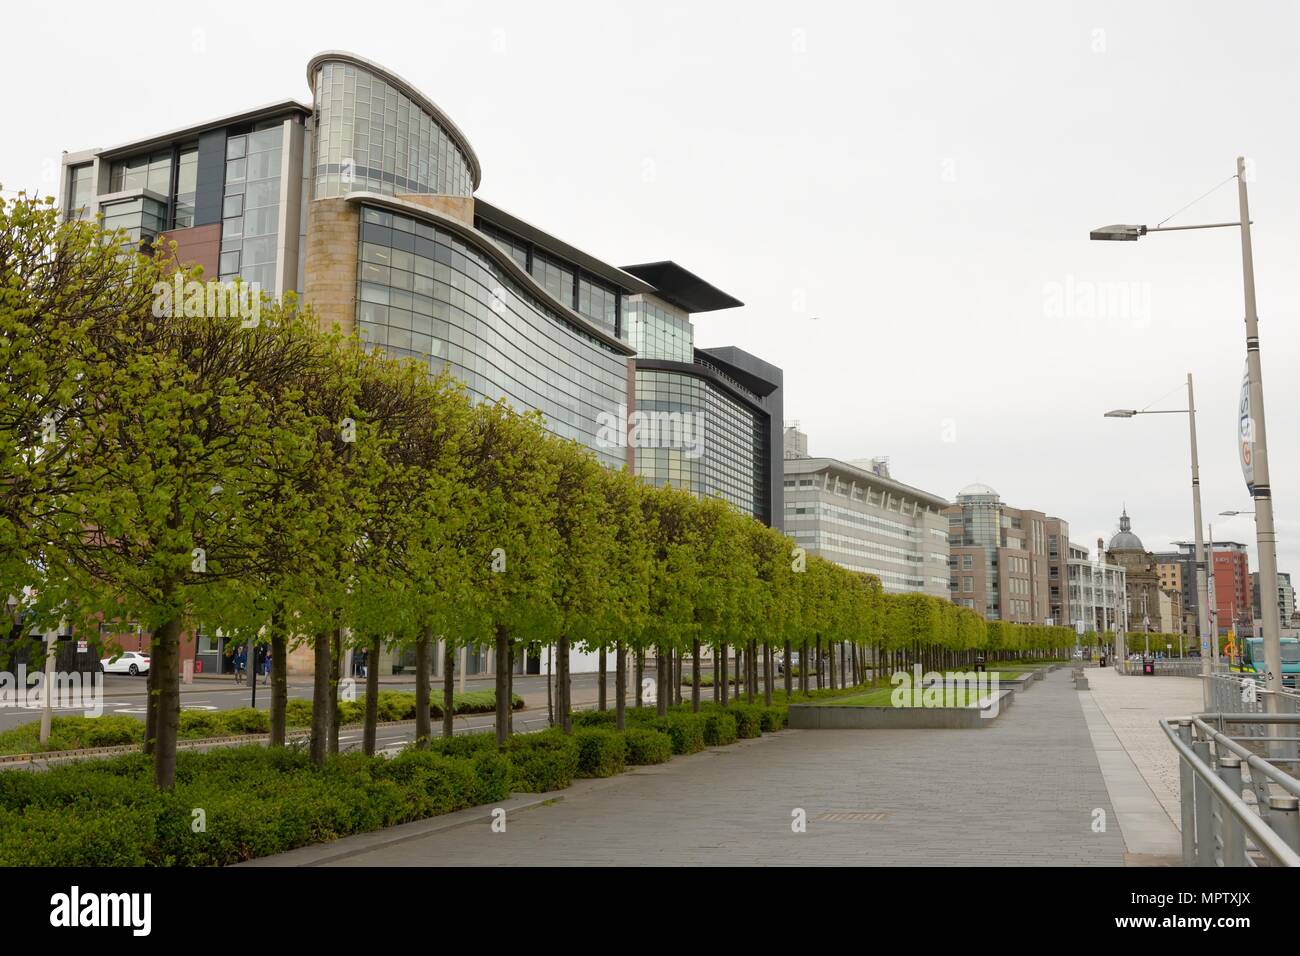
x,y
1130,709
1020,791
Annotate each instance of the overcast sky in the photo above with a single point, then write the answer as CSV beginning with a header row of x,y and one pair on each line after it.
x,y
900,193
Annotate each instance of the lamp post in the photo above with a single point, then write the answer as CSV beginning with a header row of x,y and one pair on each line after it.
x,y
1202,586
1254,435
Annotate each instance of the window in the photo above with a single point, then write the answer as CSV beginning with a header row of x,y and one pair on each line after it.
x,y
966,562
80,191
187,173
968,584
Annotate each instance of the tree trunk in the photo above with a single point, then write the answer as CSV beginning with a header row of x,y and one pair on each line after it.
x,y
423,678
663,689
322,715
448,690
821,678
510,690
830,663
768,661
603,667
844,671
754,670
695,676
677,677
550,693
720,674
640,678
563,686
336,712
803,668
503,684
620,686
165,657
150,706
789,678
279,677
370,728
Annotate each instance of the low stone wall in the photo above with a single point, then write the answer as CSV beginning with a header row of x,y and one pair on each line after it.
x,y
829,717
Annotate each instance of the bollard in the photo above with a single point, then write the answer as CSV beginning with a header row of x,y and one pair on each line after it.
x,y
1234,834
1080,682
1204,810
1187,799
1284,816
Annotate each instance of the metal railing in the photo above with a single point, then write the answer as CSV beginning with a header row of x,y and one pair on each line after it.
x,y
1165,667
1238,809
1232,693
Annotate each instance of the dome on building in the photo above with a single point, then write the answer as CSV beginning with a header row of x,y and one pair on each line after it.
x,y
1125,539
976,489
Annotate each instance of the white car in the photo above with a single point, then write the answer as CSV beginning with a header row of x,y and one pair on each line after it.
x,y
128,662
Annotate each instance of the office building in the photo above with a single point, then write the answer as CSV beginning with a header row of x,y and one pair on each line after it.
x,y
855,514
1096,592
363,201
1009,564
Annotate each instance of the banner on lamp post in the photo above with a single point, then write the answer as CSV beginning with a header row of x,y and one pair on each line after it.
x,y
1246,433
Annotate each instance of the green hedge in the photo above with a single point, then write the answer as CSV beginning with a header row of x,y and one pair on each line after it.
x,y
646,746
255,802
78,733
542,762
685,730
601,753
719,728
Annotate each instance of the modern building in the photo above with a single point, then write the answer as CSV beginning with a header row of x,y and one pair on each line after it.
x,y
1150,606
855,514
1009,564
1285,601
364,202
1096,592
1179,577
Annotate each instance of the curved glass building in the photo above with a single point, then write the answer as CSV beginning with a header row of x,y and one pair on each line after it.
x,y
364,202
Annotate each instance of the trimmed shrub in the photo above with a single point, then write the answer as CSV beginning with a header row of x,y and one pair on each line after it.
x,y
463,745
492,772
646,746
719,728
601,753
542,762
749,720
772,719
685,730
596,718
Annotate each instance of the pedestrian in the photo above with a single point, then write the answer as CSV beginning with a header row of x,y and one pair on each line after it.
x,y
266,666
241,661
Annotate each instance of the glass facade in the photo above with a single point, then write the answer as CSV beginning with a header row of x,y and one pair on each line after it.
x,y
370,137
426,294
251,207
141,217
731,460
81,190
658,331
187,171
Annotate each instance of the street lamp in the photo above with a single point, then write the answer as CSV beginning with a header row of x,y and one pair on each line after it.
x,y
1202,586
1229,514
1258,477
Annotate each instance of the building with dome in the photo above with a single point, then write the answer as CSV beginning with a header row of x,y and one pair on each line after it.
x,y
1009,564
1150,602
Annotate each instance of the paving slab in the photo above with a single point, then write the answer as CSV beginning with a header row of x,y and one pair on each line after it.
x,y
1022,792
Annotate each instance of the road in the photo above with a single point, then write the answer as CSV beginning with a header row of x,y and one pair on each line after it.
x,y
124,696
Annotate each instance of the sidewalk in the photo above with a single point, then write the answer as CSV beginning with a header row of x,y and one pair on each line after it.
x,y
1137,760
1022,791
